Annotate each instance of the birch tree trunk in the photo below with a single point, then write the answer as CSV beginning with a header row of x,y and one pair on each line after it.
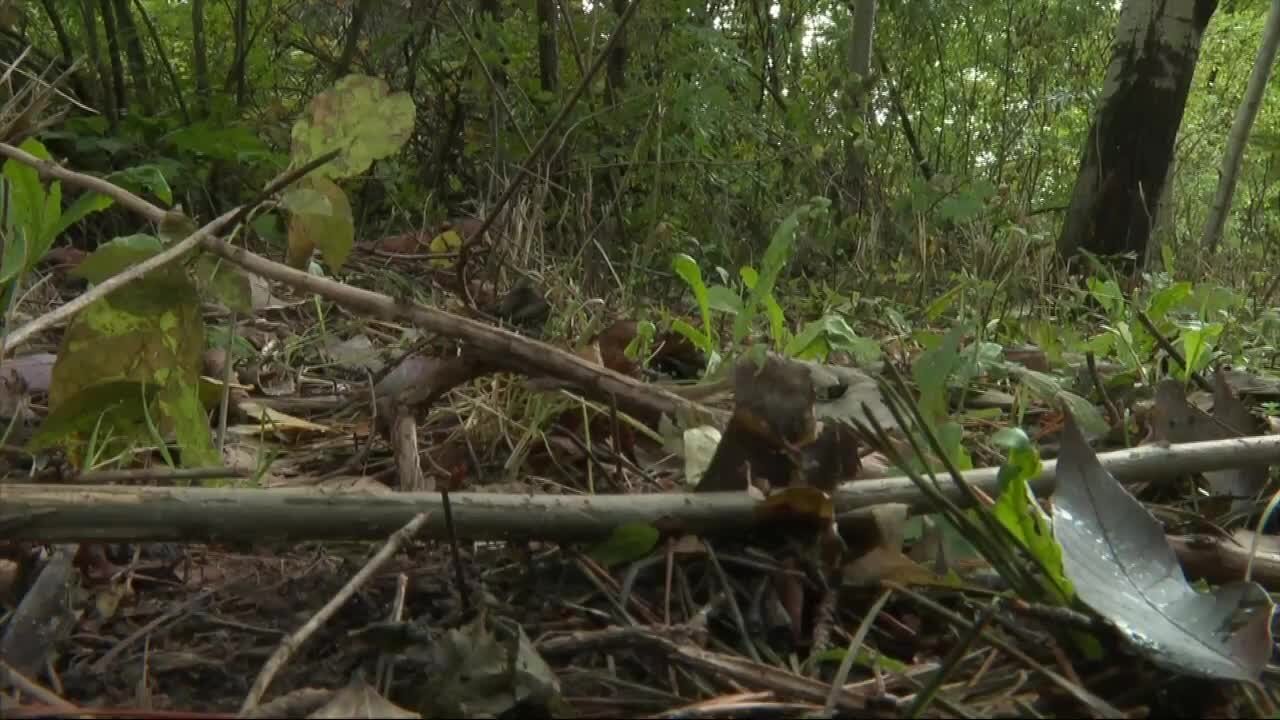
x,y
1130,143
1245,115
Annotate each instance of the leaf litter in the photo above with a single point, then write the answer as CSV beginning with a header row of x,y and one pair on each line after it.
x,y
858,612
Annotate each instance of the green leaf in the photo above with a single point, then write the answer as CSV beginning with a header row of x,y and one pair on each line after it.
x,y
88,203
1167,299
692,334
119,403
1050,390
144,179
943,302
810,343
29,204
688,270
333,232
225,282
150,333
777,323
775,258
931,372
1016,508
723,299
14,260
359,117
626,543
220,141
639,345
1197,347
117,255
306,200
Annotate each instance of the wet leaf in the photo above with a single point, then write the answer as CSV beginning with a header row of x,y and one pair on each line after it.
x,y
1116,556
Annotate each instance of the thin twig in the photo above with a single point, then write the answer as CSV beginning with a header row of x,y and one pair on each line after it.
x,y
855,643
1116,418
156,474
10,676
1085,696
1168,347
115,282
294,641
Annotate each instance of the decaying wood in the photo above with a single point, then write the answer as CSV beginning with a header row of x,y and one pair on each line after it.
x,y
773,435
65,513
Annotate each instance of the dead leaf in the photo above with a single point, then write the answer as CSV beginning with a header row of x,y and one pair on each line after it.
x,y
1116,555
360,700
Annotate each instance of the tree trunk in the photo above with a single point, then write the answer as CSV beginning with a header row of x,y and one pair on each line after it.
x,y
102,94
136,56
1130,142
113,55
200,59
548,51
352,39
1245,116
858,63
240,65
54,16
616,67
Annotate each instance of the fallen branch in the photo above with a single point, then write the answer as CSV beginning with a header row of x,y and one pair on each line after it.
x,y
115,282
511,352
62,513
506,349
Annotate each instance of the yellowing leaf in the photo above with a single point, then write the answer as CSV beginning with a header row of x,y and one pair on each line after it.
x,y
313,226
446,242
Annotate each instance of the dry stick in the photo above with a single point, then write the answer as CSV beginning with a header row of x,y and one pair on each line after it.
x,y
61,513
294,641
515,352
523,353
173,613
151,212
159,474
9,675
115,282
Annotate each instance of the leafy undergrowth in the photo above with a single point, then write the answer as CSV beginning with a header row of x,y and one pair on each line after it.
x,y
856,565
689,627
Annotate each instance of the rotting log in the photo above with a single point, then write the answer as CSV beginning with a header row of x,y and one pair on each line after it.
x,y
68,513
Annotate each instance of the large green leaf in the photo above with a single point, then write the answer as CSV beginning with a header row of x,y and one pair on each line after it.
x,y
330,229
357,116
150,333
117,255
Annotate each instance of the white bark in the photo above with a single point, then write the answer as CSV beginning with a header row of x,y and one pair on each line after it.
x,y
1245,115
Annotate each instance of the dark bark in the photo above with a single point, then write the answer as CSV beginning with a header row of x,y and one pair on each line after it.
x,y
239,67
114,56
134,54
65,47
1130,143
102,94
352,38
164,61
548,50
200,59
616,65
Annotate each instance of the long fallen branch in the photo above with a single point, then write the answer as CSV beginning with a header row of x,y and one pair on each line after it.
x,y
513,352
67,513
